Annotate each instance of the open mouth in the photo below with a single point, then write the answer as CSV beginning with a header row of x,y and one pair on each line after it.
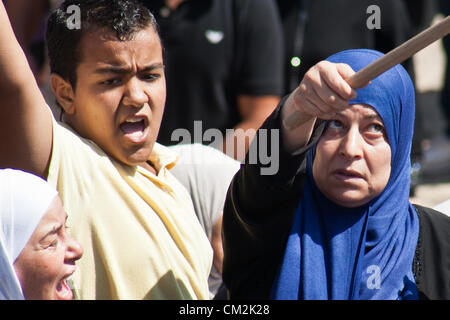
x,y
134,129
63,290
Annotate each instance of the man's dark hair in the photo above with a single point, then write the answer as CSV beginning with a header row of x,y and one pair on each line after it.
x,y
122,17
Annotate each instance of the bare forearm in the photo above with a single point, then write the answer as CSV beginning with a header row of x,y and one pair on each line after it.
x,y
254,110
237,142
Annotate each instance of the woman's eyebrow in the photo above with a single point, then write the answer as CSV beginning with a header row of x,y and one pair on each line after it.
x,y
55,229
373,117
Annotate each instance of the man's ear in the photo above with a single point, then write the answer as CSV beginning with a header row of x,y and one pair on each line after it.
x,y
63,92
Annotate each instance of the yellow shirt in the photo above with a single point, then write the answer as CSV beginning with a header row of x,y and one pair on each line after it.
x,y
140,235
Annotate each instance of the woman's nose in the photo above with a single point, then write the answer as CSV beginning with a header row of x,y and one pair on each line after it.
x,y
74,250
351,145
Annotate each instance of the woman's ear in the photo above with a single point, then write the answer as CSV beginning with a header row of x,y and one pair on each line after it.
x,y
63,92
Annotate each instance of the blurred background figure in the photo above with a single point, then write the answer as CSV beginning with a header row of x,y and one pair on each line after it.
x,y
223,63
444,8
434,61
316,29
29,19
443,207
195,169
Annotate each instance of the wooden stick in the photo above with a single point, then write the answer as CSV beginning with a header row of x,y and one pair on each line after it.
x,y
392,58
400,54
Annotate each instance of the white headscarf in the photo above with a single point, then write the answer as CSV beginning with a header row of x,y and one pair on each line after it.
x,y
24,199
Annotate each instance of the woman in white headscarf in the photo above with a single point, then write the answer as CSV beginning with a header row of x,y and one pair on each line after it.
x,y
37,255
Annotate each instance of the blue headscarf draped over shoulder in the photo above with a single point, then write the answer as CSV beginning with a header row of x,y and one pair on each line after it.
x,y
334,252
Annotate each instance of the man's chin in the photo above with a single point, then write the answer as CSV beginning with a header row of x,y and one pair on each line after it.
x,y
137,158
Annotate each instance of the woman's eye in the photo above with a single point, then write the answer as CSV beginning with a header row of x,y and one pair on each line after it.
x,y
53,244
376,128
334,124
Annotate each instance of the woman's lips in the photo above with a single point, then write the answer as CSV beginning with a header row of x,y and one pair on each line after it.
x,y
63,290
343,174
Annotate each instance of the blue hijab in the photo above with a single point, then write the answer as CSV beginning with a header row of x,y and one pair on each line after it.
x,y
334,252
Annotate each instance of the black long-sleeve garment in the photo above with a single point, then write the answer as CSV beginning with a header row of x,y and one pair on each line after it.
x,y
258,214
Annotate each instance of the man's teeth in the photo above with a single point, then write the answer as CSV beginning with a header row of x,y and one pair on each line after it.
x,y
136,134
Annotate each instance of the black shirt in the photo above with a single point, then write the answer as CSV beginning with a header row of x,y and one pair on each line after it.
x,y
214,51
316,29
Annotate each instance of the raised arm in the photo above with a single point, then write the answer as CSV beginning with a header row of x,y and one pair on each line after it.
x,y
322,93
26,129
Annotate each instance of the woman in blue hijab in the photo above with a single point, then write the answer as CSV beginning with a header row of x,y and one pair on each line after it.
x,y
335,222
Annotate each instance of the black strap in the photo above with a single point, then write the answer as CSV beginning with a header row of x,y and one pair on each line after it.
x,y
237,45
298,41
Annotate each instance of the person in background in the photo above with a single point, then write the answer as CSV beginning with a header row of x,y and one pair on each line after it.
x,y
223,68
206,173
335,222
443,207
135,221
444,8
28,19
37,254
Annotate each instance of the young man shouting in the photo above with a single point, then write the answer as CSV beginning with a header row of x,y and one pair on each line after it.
x,y
134,220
